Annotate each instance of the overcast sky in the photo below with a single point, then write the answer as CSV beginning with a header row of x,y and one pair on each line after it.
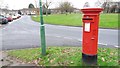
x,y
19,4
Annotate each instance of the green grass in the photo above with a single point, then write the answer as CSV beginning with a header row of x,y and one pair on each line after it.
x,y
64,56
106,20
109,20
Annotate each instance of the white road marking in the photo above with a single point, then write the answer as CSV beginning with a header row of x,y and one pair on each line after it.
x,y
71,27
58,36
79,40
67,37
116,46
10,22
4,28
102,44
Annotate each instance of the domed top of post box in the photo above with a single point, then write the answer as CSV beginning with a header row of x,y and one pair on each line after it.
x,y
91,10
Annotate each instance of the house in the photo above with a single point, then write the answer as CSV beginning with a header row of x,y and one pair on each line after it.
x,y
7,11
30,11
58,11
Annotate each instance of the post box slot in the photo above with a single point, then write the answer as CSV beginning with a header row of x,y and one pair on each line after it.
x,y
87,19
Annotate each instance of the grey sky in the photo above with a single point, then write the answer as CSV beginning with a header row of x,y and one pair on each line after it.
x,y
19,4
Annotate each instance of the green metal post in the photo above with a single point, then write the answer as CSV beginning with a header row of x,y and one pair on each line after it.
x,y
42,29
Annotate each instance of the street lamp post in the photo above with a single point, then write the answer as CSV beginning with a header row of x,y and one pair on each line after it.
x,y
42,31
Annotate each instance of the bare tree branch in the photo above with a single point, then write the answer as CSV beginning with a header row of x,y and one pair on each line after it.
x,y
47,5
86,4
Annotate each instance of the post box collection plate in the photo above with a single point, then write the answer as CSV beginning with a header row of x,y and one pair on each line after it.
x,y
87,27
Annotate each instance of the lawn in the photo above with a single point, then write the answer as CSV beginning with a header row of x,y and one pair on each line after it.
x,y
64,56
106,20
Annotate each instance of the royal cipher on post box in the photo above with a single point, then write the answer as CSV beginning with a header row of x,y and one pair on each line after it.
x,y
90,34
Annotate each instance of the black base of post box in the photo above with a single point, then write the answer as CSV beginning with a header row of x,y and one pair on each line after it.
x,y
89,59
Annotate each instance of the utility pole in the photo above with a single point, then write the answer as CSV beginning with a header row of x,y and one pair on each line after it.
x,y
42,31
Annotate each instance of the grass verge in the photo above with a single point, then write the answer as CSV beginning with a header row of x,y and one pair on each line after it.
x,y
64,56
106,20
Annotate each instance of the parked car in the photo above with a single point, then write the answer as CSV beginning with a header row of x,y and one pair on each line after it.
x,y
9,18
18,16
3,20
14,17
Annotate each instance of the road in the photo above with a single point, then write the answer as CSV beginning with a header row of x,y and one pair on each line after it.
x,y
25,33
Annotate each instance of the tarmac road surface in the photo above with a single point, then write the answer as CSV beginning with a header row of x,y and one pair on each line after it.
x,y
25,33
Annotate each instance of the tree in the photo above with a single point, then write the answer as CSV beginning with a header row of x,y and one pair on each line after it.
x,y
118,7
35,3
106,5
46,11
19,12
36,7
113,8
109,6
31,6
86,4
66,7
0,3
98,3
46,6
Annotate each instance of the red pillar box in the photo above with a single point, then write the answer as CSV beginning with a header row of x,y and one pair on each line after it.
x,y
90,34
